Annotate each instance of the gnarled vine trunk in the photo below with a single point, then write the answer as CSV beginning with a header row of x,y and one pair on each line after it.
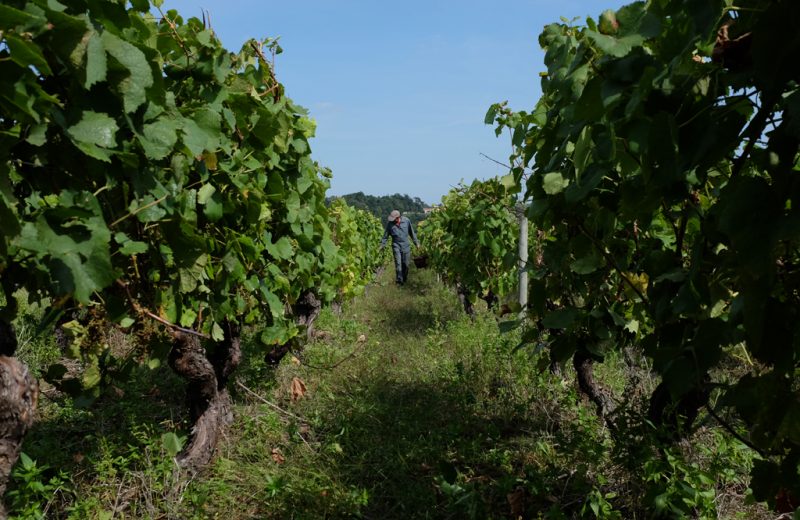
x,y
305,311
206,374
601,397
491,299
464,298
675,416
19,393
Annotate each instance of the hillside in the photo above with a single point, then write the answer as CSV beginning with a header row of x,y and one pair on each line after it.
x,y
382,205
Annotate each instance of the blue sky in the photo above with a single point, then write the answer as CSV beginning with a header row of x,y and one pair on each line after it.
x,y
399,90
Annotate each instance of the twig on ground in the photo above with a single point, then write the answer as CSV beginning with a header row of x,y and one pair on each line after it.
x,y
279,409
347,357
269,403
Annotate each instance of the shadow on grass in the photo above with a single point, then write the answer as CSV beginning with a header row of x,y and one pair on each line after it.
x,y
102,436
419,306
416,320
422,451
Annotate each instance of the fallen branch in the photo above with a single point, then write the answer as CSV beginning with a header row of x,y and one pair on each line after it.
x,y
269,403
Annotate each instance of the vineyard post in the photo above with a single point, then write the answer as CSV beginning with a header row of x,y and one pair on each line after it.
x,y
523,258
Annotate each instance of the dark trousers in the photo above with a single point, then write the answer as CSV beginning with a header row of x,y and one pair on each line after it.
x,y
402,258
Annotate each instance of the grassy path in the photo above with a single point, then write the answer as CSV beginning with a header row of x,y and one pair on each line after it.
x,y
421,416
411,410
400,407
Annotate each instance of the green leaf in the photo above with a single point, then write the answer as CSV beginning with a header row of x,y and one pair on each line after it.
x,y
212,201
159,137
141,5
37,135
588,264
77,254
233,265
560,319
554,183
632,326
303,184
217,334
10,222
91,376
25,54
490,115
96,67
508,181
93,133
282,249
188,317
11,18
214,207
202,132
617,47
508,326
172,443
95,128
27,463
126,322
83,276
146,209
205,192
139,76
277,335
55,5
133,248
583,149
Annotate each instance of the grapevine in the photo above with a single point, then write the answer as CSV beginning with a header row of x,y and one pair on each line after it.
x,y
358,234
148,173
471,238
664,153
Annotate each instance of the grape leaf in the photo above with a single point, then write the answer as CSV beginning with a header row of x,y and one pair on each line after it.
x,y
139,77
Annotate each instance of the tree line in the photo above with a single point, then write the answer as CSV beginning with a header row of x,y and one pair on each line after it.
x,y
382,205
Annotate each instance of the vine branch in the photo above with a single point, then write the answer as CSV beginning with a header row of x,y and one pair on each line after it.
x,y
139,210
275,83
177,36
756,127
146,312
495,161
733,432
614,264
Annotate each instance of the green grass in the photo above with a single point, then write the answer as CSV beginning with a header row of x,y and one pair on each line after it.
x,y
411,410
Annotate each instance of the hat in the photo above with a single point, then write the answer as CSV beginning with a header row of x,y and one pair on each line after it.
x,y
393,215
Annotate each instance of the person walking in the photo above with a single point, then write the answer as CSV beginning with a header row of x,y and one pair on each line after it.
x,y
401,230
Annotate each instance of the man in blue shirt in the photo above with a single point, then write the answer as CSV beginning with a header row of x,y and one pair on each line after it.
x,y
400,229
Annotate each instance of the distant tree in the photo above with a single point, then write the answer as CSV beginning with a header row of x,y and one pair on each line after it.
x,y
382,205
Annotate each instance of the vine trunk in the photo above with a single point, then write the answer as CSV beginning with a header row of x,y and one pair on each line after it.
x,y
209,401
19,393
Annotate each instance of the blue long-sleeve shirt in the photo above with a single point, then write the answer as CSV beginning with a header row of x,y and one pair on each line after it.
x,y
400,233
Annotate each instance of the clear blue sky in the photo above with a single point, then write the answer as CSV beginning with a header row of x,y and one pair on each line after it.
x,y
399,89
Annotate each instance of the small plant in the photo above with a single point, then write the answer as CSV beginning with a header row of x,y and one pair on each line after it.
x,y
33,488
598,503
678,487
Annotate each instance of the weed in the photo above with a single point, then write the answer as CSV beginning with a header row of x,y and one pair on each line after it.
x,y
35,348
34,488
